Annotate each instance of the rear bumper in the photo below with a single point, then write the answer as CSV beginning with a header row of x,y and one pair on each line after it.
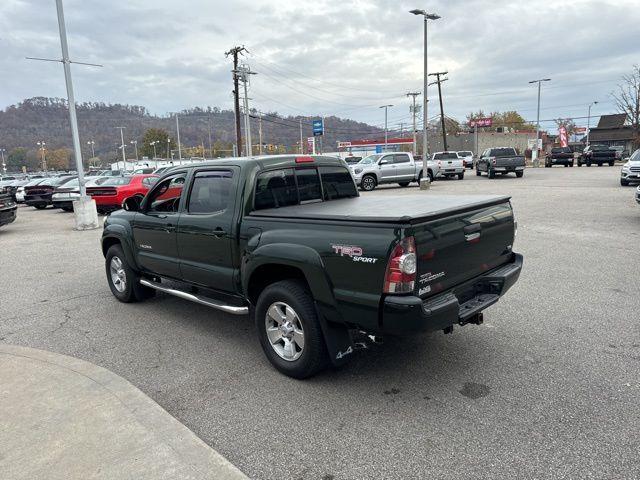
x,y
560,161
514,168
8,215
460,305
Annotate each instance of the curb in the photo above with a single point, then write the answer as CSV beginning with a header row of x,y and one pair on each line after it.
x,y
195,453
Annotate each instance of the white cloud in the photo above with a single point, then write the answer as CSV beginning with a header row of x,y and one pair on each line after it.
x,y
325,56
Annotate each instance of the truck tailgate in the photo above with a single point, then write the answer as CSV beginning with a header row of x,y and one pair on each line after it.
x,y
509,161
459,247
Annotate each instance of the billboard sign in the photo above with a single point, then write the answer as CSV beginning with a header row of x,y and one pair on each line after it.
x,y
318,127
311,145
481,122
562,133
344,144
580,130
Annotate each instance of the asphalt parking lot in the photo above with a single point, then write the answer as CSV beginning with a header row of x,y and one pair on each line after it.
x,y
547,387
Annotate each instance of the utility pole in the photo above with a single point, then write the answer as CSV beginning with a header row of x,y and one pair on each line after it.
x,y
589,120
534,152
439,82
386,132
260,134
243,73
124,157
209,132
168,149
301,147
414,110
235,51
178,132
4,165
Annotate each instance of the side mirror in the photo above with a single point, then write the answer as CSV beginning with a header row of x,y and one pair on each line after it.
x,y
132,204
383,162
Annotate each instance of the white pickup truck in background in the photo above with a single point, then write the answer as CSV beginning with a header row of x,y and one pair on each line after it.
x,y
447,164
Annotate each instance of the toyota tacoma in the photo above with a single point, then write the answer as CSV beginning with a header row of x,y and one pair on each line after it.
x,y
288,240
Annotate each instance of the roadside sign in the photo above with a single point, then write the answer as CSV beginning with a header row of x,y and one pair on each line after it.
x,y
580,130
481,122
344,144
311,145
318,127
531,143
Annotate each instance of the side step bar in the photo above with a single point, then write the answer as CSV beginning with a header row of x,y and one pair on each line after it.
x,y
198,299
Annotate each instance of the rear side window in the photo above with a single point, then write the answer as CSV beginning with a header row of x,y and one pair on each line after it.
x,y
401,158
210,192
337,183
275,189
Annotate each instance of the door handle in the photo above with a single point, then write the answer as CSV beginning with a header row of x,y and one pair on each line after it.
x,y
219,232
169,228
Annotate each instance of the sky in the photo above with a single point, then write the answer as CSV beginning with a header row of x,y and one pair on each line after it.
x,y
326,57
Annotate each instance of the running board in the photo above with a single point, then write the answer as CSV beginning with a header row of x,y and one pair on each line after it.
x,y
195,298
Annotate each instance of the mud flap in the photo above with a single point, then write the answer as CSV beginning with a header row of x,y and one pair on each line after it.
x,y
338,340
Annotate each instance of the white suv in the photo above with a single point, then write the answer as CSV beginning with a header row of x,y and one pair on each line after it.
x,y
630,172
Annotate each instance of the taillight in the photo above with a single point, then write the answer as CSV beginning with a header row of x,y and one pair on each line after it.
x,y
401,269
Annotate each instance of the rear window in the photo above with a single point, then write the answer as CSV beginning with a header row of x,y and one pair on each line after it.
x,y
286,187
116,181
502,152
337,183
599,148
561,150
445,156
465,154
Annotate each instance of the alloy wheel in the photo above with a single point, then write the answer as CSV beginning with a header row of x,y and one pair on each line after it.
x,y
284,331
118,275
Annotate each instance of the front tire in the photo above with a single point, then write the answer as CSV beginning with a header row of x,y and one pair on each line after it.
x,y
123,281
289,329
624,183
40,206
478,173
519,174
403,184
491,173
368,183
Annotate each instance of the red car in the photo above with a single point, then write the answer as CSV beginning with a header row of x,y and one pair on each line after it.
x,y
110,195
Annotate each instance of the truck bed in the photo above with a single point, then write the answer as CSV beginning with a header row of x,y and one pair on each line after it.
x,y
385,209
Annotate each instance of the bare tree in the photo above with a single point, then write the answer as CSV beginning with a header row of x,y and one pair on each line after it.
x,y
627,99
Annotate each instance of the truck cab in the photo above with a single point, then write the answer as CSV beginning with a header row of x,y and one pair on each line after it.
x,y
382,168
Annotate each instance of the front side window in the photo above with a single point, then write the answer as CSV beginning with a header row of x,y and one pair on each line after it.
x,y
276,188
210,192
166,196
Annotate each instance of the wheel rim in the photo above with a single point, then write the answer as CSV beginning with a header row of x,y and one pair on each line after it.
x,y
368,183
118,275
284,331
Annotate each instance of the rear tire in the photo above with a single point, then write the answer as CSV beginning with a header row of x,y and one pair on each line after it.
x,y
519,174
430,175
123,281
40,207
478,173
289,329
611,164
403,184
461,176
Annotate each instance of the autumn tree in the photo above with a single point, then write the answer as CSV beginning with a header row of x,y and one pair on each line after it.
x,y
568,124
627,100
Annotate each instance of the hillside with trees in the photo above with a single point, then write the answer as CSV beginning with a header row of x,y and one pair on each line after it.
x,y
42,119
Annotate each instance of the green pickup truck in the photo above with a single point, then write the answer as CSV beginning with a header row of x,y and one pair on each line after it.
x,y
288,240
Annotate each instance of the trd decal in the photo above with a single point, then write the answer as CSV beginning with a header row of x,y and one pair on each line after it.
x,y
353,252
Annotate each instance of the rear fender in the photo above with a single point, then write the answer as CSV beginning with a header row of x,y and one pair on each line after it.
x,y
308,262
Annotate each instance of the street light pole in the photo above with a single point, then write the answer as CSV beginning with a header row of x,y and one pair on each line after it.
x,y
124,157
41,144
385,125
92,143
155,155
135,145
4,165
589,120
168,148
534,153
178,131
427,17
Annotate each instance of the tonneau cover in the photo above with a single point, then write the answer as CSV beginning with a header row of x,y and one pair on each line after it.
x,y
385,208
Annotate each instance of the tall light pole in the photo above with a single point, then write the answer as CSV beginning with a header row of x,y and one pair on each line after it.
x,y
122,145
135,145
178,137
427,17
155,155
4,165
92,143
534,154
414,112
589,119
386,107
168,148
42,152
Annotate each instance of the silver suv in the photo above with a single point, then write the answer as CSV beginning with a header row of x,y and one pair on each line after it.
x,y
630,172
